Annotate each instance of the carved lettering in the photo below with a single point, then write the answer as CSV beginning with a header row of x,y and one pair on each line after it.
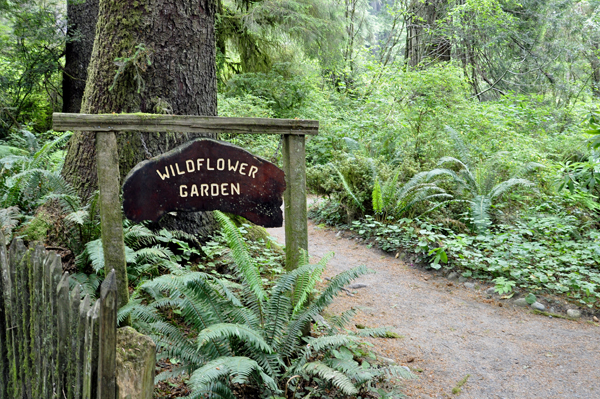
x,y
205,175
189,164
252,172
165,176
230,168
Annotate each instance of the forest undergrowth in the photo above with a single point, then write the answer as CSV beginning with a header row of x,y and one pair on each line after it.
x,y
475,150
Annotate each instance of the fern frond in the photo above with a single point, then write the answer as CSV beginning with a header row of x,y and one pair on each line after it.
x,y
138,312
236,369
377,197
347,188
42,155
77,217
389,190
247,268
95,254
380,332
336,378
480,206
293,332
307,283
224,330
89,283
137,235
9,218
316,345
501,188
172,343
353,370
215,390
342,320
399,372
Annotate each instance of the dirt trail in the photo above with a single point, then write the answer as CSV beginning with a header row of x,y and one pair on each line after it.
x,y
450,331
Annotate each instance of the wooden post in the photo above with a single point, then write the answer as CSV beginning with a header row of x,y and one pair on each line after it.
x,y
74,344
62,325
111,219
3,342
107,336
90,359
37,319
84,308
15,254
296,225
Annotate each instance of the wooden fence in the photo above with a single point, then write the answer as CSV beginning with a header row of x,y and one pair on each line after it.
x,y
52,343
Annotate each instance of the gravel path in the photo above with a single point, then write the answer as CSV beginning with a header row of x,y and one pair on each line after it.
x,y
450,331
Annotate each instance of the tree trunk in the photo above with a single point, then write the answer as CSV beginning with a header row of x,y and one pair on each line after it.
x,y
80,31
423,40
595,66
153,56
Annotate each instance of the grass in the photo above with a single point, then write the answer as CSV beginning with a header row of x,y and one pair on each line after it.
x,y
457,389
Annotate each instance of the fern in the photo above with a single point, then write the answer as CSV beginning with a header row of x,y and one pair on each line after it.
x,y
248,270
337,378
377,197
307,282
239,331
239,342
479,195
347,188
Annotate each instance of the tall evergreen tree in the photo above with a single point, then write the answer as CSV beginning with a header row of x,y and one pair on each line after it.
x,y
154,56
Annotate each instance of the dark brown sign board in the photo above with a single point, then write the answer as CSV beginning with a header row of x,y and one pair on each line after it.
x,y
205,175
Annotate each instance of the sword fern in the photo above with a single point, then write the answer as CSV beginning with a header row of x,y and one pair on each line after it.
x,y
242,333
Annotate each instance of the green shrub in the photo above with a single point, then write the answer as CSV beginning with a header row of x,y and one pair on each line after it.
x,y
241,334
349,179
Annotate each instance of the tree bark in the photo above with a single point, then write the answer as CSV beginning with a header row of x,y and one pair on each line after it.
x,y
423,41
152,56
82,18
595,66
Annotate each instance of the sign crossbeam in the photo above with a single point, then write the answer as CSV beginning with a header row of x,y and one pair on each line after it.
x,y
182,123
106,125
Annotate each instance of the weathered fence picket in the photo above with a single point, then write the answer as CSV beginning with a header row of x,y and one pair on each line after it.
x,y
48,336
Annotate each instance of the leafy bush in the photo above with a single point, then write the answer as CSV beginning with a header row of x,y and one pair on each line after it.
x,y
545,252
282,88
27,179
478,190
245,337
350,180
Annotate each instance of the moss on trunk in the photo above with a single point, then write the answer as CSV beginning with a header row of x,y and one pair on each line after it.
x,y
175,73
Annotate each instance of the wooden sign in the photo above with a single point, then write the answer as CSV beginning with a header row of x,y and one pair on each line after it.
x,y
205,175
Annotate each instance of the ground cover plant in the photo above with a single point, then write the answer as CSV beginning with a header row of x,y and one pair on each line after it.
x,y
242,335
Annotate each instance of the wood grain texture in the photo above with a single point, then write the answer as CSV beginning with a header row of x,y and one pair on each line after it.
x,y
4,365
295,214
63,323
181,123
107,335
111,219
